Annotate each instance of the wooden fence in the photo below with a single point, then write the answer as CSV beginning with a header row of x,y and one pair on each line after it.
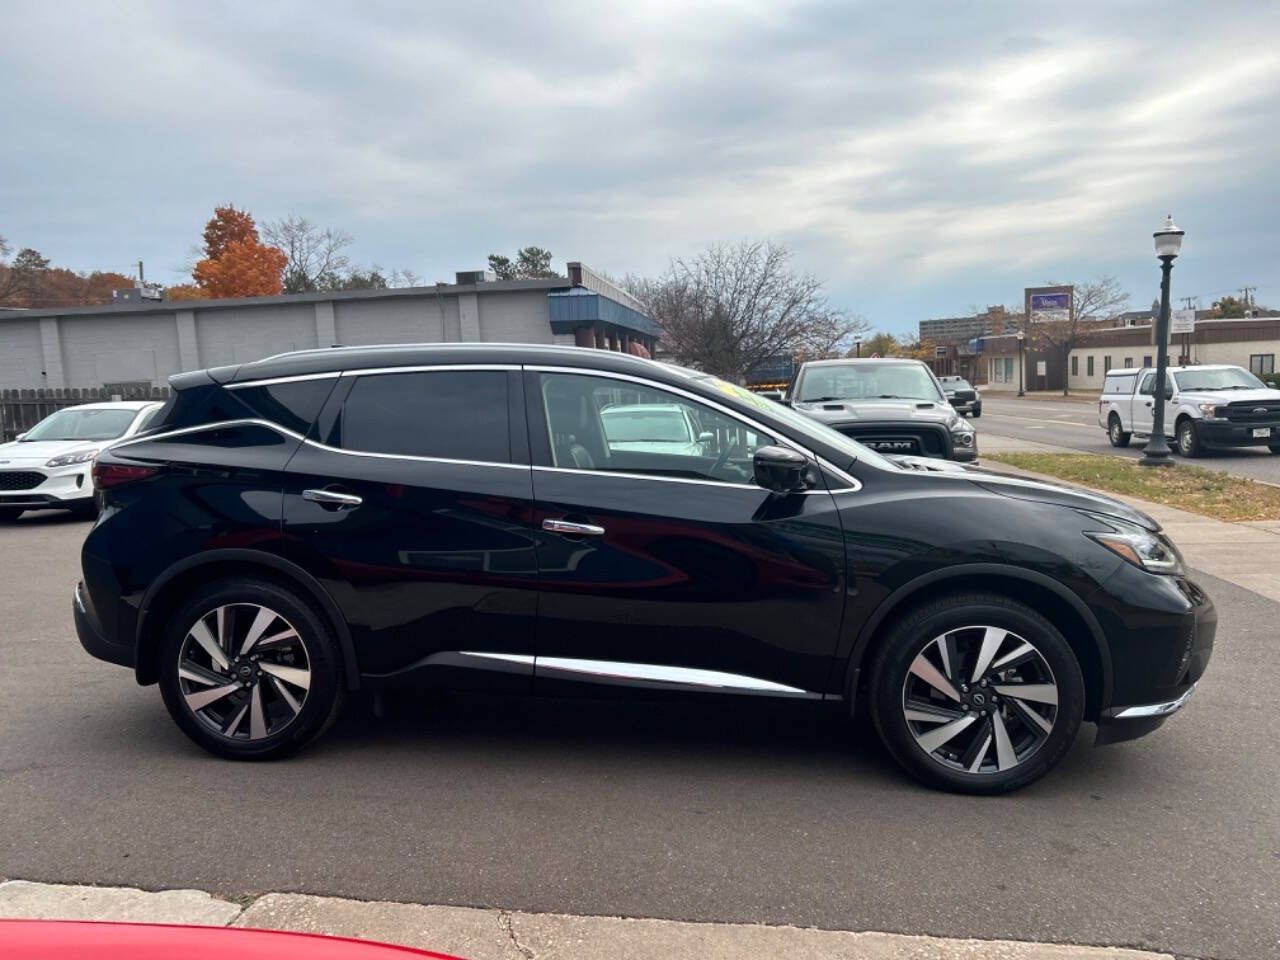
x,y
20,410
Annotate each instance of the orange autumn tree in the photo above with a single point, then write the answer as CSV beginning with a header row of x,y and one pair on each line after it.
x,y
236,263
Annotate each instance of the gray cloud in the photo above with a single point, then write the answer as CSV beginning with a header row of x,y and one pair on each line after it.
x,y
921,157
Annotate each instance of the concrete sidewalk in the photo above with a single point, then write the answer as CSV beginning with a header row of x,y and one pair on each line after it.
x,y
479,934
1246,554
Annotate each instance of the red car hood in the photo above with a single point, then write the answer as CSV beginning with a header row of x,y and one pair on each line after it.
x,y
80,940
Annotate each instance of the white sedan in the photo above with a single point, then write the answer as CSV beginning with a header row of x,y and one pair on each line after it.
x,y
50,467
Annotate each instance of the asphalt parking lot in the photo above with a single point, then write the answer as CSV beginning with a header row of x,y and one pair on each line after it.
x,y
1074,424
709,813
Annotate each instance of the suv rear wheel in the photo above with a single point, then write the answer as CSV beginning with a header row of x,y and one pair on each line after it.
x,y
976,693
1116,432
9,514
249,670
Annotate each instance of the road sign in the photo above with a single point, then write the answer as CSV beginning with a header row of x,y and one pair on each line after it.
x,y
1042,368
1182,321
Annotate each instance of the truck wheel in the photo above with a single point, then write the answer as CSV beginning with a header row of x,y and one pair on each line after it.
x,y
1274,447
1116,432
1189,444
977,410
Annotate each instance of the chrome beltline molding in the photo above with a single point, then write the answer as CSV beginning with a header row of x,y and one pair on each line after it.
x,y
645,673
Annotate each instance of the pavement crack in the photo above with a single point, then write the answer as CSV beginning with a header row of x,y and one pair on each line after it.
x,y
504,918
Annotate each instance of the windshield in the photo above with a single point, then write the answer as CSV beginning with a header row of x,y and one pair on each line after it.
x,y
868,381
956,385
73,424
634,424
1229,378
806,426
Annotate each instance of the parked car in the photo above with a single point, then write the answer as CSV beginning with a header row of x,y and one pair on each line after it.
x,y
50,466
962,395
93,940
656,427
318,522
895,406
1210,406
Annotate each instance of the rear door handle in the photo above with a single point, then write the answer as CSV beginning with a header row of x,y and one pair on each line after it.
x,y
333,499
572,529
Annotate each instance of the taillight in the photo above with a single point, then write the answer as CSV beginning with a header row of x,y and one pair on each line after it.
x,y
114,474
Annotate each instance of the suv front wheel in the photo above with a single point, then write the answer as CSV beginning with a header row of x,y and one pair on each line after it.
x,y
976,693
249,670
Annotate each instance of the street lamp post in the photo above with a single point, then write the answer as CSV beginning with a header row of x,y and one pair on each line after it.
x,y
1021,337
857,347
1168,240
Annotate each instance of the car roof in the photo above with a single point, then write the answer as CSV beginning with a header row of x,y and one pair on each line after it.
x,y
115,405
303,362
838,361
1134,371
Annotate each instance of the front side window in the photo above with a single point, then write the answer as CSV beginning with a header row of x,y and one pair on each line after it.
x,y
867,381
81,424
1148,385
451,415
597,423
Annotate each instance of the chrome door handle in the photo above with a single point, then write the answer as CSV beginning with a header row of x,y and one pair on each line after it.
x,y
332,498
572,529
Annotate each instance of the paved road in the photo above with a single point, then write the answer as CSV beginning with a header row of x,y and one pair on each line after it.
x,y
1074,424
772,815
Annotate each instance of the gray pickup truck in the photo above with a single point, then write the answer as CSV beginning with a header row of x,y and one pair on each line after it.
x,y
895,406
1205,406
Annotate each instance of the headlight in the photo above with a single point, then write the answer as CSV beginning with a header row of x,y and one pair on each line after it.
x,y
75,456
1208,409
1150,551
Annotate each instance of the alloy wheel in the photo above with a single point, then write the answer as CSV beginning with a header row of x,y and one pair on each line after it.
x,y
980,699
243,671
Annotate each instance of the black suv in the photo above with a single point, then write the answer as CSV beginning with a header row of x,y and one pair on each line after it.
x,y
524,519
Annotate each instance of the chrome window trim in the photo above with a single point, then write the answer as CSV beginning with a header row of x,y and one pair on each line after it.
x,y
431,368
205,427
412,457
272,381
627,475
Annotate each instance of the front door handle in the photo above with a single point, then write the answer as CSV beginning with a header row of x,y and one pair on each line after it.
x,y
333,499
569,528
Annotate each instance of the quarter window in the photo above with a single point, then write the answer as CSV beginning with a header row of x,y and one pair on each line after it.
x,y
597,423
1148,385
453,415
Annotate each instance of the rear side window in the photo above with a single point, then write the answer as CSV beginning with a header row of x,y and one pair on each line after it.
x,y
452,415
293,405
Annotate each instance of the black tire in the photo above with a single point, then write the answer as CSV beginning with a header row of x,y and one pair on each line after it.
x,y
9,514
909,637
977,411
1187,438
323,698
1116,433
1274,447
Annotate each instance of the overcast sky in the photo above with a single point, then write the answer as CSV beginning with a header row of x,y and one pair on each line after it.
x,y
921,158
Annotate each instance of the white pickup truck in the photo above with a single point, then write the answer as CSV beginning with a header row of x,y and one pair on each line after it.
x,y
1205,406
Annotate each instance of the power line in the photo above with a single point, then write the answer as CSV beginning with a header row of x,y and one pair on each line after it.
x,y
1192,302
1246,293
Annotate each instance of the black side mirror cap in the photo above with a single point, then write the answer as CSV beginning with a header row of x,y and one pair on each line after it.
x,y
781,470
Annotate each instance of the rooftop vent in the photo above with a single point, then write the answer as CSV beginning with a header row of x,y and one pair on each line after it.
x,y
475,276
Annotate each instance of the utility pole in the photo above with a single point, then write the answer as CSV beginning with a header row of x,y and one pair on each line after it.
x,y
1247,296
1192,302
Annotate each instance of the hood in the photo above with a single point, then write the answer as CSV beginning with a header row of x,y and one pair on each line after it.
x,y
898,411
1027,488
1233,396
38,452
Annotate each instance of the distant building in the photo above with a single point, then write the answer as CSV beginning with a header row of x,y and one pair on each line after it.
x,y
994,321
144,341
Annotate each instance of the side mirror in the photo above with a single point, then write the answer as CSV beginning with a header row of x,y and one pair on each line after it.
x,y
19,436
706,436
781,470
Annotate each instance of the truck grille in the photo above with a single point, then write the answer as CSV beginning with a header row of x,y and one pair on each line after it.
x,y
964,396
1246,410
20,479
893,439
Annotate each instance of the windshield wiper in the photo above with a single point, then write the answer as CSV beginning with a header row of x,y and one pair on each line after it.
x,y
823,399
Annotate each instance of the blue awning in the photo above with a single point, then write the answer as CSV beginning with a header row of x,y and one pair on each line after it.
x,y
580,307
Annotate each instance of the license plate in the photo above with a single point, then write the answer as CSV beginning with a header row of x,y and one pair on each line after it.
x,y
1262,431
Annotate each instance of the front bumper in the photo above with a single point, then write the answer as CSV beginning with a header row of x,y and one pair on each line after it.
x,y
59,487
1168,662
91,635
1229,433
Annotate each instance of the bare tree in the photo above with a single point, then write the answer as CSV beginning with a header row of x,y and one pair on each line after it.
x,y
316,258
732,307
1092,303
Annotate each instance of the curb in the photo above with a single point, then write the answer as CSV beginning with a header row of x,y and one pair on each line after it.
x,y
492,934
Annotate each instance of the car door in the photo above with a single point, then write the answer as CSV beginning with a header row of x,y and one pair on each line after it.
x,y
673,569
411,502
